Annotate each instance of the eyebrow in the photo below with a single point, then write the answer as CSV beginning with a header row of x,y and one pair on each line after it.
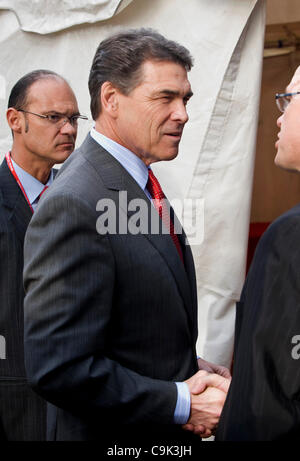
x,y
55,112
175,93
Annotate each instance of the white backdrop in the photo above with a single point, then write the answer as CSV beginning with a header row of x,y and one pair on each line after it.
x,y
215,166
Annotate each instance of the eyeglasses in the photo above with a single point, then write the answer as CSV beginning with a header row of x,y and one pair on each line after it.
x,y
58,119
283,100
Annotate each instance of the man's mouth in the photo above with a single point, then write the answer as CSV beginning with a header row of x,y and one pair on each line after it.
x,y
175,134
66,144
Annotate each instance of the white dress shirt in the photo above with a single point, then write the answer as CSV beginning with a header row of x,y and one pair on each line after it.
x,y
32,186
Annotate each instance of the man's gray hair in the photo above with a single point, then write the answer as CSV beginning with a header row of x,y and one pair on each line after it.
x,y
119,58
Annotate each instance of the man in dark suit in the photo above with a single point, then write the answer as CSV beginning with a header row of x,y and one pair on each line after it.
x,y
38,107
111,305
264,398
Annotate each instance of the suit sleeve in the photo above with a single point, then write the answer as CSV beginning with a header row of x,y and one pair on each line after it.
x,y
4,284
69,279
11,310
264,397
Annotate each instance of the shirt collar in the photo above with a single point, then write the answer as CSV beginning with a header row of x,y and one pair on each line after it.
x,y
32,186
130,161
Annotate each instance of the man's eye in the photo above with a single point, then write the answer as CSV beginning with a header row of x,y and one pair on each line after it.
x,y
54,118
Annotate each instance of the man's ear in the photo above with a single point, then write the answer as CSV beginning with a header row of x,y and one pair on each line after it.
x,y
14,119
110,99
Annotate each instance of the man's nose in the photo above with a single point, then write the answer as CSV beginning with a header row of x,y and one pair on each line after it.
x,y
180,113
279,121
68,128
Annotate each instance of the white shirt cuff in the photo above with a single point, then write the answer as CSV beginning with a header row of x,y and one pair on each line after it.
x,y
183,405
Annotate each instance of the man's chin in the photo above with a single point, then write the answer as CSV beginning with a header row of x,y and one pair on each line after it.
x,y
278,161
62,153
161,155
170,154
285,165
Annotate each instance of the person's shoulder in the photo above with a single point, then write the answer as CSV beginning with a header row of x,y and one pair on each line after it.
x,y
286,222
76,183
85,171
284,231
77,165
291,214
277,250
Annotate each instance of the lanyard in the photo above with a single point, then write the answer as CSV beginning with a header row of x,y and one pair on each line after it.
x,y
11,167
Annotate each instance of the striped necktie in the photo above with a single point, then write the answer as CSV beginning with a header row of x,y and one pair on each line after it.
x,y
160,203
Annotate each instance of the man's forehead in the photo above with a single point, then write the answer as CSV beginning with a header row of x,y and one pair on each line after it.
x,y
50,94
181,88
43,87
160,71
295,82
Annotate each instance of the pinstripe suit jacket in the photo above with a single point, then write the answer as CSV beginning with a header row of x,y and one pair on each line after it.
x,y
22,413
263,402
110,320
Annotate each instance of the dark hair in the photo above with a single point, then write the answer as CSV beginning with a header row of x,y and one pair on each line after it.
x,y
19,92
118,59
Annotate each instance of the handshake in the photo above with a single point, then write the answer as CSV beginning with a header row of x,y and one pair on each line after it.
x,y
208,389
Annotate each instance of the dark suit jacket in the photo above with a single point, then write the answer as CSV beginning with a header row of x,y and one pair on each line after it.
x,y
110,320
264,397
22,412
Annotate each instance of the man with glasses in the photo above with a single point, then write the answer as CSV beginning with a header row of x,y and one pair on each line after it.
x,y
264,397
43,115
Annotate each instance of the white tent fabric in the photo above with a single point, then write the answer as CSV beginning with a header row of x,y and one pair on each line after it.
x,y
47,16
213,172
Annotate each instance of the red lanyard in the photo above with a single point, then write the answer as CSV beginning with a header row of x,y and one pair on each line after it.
x,y
11,167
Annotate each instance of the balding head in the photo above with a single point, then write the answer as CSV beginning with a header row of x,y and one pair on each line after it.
x,y
19,92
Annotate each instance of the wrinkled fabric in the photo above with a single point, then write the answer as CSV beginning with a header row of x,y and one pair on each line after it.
x,y
48,16
214,169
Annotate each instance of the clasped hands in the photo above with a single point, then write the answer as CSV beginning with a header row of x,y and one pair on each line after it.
x,y
208,389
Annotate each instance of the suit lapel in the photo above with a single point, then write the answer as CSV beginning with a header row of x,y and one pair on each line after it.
x,y
165,245
14,201
115,177
191,276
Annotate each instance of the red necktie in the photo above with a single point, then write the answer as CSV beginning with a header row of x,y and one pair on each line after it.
x,y
159,200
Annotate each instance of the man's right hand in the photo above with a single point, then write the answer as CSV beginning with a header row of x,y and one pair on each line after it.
x,y
208,394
